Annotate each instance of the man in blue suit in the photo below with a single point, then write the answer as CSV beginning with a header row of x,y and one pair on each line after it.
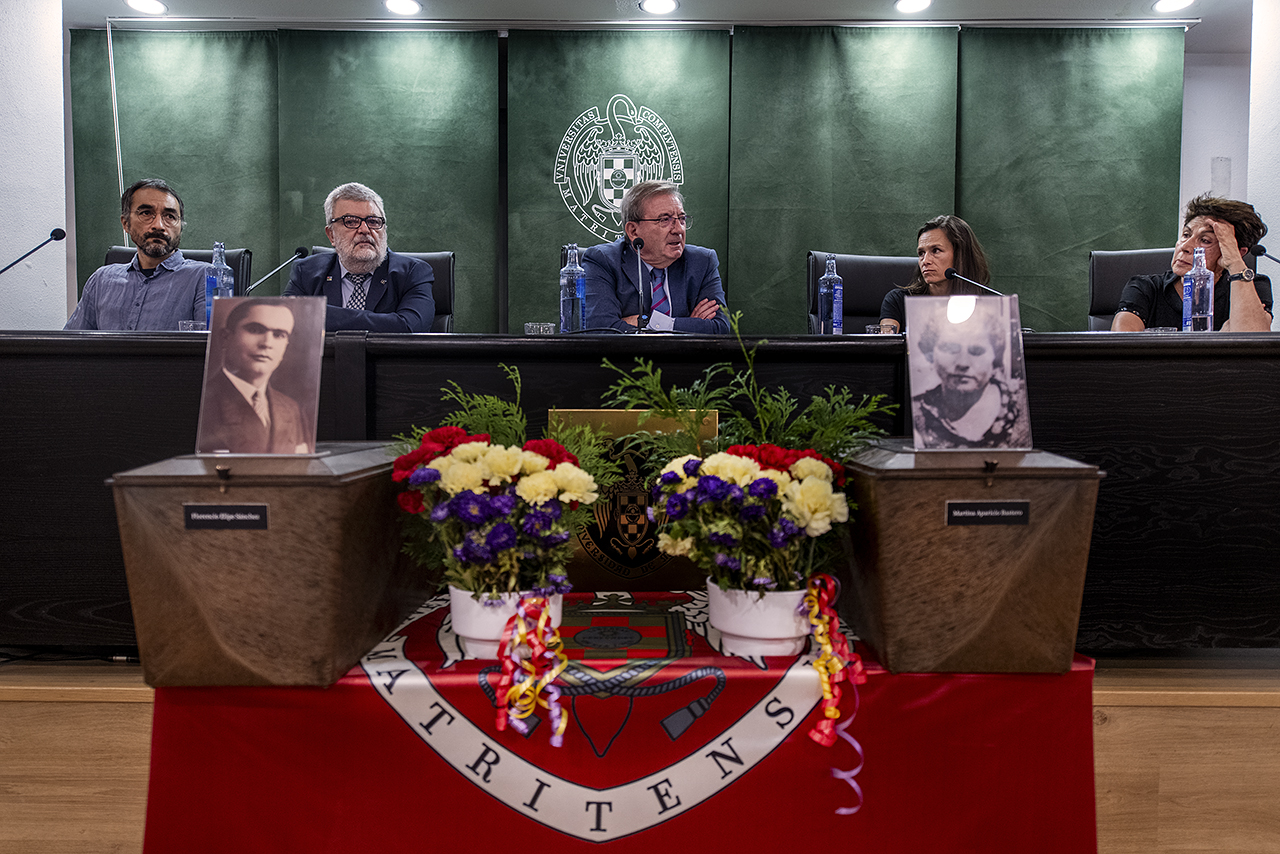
x,y
681,289
366,286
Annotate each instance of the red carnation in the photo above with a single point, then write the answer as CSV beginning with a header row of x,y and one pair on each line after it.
x,y
407,464
410,501
552,450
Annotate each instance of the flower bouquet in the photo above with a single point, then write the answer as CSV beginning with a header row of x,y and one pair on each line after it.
x,y
750,516
499,518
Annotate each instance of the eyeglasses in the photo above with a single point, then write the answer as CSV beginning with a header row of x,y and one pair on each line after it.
x,y
149,214
665,220
353,222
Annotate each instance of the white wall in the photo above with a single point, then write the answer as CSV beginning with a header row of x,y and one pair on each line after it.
x,y
33,295
1215,125
1264,130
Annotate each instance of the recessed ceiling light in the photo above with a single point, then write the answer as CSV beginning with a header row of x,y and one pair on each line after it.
x,y
910,7
659,7
148,7
404,7
1171,5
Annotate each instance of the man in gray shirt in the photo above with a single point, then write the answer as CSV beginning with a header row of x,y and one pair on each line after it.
x,y
158,287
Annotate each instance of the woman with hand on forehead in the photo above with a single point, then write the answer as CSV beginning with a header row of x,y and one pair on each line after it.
x,y
1225,230
942,242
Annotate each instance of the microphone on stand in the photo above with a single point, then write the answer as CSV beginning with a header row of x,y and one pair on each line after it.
x,y
300,252
1259,251
952,274
56,234
643,320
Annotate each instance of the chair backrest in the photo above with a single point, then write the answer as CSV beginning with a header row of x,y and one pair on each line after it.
x,y
867,278
239,260
1109,272
442,264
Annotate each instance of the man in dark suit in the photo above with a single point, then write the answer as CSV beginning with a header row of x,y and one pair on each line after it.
x,y
241,412
366,286
680,286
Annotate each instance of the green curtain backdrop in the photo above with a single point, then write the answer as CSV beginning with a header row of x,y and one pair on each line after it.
x,y
196,109
843,139
415,117
1050,142
1069,141
254,130
553,79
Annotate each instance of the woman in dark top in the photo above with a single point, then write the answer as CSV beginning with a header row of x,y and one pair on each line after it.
x,y
942,242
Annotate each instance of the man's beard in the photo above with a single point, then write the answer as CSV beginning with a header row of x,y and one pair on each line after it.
x,y
159,250
361,265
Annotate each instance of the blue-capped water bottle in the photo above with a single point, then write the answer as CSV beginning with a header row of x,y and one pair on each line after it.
x,y
831,300
1197,296
218,282
573,292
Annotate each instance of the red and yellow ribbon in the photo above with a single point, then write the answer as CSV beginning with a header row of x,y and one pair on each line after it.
x,y
532,656
837,662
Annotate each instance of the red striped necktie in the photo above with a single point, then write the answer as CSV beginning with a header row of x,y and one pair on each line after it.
x,y
659,292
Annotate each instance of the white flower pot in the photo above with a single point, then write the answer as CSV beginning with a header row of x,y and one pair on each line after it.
x,y
480,626
751,625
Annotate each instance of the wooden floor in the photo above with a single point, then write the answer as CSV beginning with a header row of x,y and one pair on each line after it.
x,y
1187,756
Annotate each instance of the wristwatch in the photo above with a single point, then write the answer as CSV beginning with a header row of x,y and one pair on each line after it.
x,y
1246,276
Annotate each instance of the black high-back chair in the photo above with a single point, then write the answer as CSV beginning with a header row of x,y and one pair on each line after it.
x,y
442,264
1110,271
867,278
239,260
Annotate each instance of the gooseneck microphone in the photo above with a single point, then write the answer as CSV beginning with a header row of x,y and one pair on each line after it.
x,y
1259,250
56,234
643,320
300,252
952,274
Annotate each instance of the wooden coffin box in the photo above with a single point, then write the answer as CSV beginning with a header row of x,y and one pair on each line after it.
x,y
969,561
263,570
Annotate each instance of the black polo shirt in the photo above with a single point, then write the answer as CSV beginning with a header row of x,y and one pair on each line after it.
x,y
1157,300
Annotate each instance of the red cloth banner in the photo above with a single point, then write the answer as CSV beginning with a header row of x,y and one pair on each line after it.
x,y
691,748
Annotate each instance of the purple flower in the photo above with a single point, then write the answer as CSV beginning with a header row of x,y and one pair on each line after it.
x,y
788,527
721,538
691,467
502,504
677,506
668,478
783,533
473,550
539,521
727,561
712,488
471,507
440,512
762,488
735,494
556,538
766,583
501,536
424,475
648,511
751,512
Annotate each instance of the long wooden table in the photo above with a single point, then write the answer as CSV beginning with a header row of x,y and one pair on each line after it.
x,y
1183,549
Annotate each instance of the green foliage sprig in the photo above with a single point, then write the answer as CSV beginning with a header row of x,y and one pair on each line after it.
x,y
832,424
506,423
